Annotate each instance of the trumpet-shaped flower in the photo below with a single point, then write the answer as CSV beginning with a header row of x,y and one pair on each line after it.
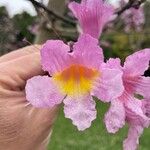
x,y
76,77
92,15
128,107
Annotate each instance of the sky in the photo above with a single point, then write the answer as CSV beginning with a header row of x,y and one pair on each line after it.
x,y
18,6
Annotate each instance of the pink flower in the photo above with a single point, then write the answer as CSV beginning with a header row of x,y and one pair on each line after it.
x,y
76,77
133,18
128,107
92,15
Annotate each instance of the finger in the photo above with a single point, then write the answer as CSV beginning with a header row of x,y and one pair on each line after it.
x,y
20,52
49,114
15,72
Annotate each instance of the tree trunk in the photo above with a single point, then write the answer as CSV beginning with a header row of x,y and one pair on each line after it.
x,y
57,6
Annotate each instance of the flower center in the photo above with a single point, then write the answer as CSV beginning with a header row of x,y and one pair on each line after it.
x,y
76,79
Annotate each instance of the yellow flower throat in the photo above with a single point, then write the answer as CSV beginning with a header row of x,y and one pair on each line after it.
x,y
76,79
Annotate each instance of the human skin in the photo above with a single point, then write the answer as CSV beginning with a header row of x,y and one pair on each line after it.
x,y
22,127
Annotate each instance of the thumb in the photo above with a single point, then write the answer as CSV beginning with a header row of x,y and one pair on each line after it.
x,y
17,71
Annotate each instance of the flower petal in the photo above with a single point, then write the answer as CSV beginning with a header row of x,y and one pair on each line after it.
x,y
92,15
105,86
137,63
80,110
113,63
135,120
54,56
90,55
132,141
143,86
115,117
135,106
42,92
146,108
138,85
137,124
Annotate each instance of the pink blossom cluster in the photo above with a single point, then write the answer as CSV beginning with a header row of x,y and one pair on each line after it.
x,y
78,75
133,18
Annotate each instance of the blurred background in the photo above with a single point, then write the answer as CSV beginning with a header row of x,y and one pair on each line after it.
x,y
25,22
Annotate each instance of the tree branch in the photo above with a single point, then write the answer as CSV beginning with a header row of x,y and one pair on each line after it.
x,y
51,13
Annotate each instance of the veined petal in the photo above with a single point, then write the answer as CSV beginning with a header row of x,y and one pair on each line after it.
x,y
87,52
138,85
92,15
54,56
135,106
136,125
132,141
135,120
115,117
143,86
105,86
137,63
42,92
81,110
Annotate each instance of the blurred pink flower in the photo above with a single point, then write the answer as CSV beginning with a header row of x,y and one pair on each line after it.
x,y
122,3
92,15
127,106
133,18
76,77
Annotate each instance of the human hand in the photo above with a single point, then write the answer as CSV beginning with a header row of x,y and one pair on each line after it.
x,y
22,127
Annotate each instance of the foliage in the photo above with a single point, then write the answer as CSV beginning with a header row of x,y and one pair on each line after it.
x,y
22,23
123,44
13,30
